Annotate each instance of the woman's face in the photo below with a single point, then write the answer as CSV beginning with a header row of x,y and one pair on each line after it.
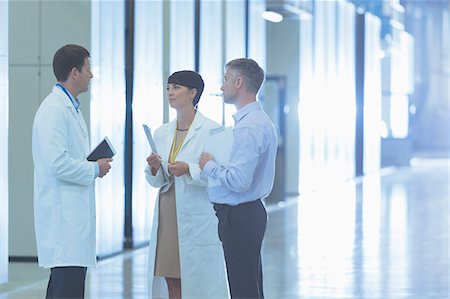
x,y
180,96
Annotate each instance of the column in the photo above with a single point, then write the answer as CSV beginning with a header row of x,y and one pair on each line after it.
x,y
4,112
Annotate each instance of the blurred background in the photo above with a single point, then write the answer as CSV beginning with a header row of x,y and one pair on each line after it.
x,y
353,87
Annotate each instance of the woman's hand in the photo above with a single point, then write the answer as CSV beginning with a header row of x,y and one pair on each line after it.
x,y
178,168
154,161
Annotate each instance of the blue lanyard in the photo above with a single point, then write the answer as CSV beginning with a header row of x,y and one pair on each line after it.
x,y
76,105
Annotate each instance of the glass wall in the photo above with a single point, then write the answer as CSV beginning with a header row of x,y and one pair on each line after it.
x,y
147,107
234,44
211,58
257,32
306,107
108,117
401,85
234,30
182,38
427,82
327,96
372,94
222,38
257,44
4,113
228,19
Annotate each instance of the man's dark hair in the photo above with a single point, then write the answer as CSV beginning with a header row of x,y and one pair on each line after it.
x,y
248,68
66,58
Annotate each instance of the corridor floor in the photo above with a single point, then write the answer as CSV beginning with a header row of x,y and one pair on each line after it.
x,y
383,236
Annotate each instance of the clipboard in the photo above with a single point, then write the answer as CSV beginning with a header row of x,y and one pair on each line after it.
x,y
218,143
104,149
148,133
151,142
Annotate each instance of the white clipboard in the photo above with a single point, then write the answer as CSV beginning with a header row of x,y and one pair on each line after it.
x,y
218,143
148,133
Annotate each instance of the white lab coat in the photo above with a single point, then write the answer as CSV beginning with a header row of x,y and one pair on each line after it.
x,y
202,266
64,198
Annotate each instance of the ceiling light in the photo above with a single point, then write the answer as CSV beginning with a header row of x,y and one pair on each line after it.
x,y
272,16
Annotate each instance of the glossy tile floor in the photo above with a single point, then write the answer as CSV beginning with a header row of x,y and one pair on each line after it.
x,y
383,236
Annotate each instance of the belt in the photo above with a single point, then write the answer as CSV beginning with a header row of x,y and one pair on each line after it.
x,y
219,206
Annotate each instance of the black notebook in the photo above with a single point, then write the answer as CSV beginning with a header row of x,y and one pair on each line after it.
x,y
103,150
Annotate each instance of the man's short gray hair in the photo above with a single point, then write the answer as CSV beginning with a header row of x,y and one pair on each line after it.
x,y
248,68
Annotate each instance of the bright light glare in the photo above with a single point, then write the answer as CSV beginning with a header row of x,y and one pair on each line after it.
x,y
148,81
108,119
272,16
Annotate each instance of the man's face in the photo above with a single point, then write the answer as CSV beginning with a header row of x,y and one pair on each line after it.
x,y
84,76
229,87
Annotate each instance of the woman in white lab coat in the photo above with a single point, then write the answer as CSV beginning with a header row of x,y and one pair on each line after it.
x,y
185,254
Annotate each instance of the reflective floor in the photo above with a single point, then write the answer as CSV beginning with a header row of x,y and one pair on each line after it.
x,y
380,237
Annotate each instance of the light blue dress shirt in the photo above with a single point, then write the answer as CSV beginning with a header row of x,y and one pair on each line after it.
x,y
76,105
251,170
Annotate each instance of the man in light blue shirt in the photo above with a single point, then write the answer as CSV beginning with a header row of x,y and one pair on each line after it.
x,y
245,181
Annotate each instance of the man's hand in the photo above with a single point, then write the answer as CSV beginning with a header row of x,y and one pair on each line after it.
x,y
178,168
204,158
104,166
154,161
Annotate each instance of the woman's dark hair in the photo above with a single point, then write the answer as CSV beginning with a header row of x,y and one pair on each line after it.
x,y
191,80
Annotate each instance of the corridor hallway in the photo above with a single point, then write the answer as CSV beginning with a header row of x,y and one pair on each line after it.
x,y
383,236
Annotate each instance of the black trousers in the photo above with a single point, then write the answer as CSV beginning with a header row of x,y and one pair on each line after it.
x,y
241,230
66,283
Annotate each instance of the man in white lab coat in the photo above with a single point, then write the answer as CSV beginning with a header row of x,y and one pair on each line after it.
x,y
64,197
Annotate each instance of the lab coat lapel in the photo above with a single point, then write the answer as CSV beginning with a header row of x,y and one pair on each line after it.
x,y
68,104
195,126
82,122
168,139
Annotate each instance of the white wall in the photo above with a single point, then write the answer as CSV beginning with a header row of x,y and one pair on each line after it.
x,y
36,29
4,111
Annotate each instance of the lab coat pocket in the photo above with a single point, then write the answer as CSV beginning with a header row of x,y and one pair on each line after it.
x,y
75,205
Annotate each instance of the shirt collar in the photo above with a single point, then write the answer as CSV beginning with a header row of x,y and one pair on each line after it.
x,y
74,100
243,111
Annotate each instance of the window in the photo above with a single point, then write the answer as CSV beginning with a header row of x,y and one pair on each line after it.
x,y
148,100
182,39
108,117
211,59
